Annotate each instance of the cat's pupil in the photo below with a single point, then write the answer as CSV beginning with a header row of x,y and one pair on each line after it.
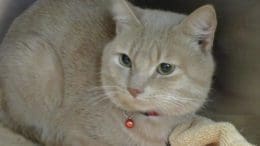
x,y
125,61
165,69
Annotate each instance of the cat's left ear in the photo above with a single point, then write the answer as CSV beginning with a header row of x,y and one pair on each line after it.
x,y
201,25
125,15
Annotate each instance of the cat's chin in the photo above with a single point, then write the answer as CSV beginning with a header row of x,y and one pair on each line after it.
x,y
140,109
144,111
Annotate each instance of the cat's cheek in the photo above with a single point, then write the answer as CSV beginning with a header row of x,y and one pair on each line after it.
x,y
124,106
120,102
191,108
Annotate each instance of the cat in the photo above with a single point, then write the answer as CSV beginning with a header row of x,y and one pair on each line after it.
x,y
98,72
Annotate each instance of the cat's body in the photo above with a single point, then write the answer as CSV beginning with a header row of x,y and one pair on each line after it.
x,y
53,84
62,44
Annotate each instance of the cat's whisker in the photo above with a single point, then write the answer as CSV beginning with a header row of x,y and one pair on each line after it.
x,y
166,101
177,98
101,88
163,106
180,104
166,93
97,97
102,98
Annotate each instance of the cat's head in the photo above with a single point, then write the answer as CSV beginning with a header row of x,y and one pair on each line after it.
x,y
159,61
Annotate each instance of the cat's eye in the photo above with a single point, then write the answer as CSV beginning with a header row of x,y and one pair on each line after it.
x,y
124,60
165,68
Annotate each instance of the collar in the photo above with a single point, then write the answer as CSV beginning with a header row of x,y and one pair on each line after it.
x,y
129,122
152,113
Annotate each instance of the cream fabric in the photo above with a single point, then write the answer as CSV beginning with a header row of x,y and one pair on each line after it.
x,y
202,131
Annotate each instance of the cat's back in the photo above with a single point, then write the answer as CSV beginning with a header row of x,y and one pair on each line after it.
x,y
77,30
51,52
59,19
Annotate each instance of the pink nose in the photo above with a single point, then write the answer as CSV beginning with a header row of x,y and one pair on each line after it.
x,y
134,92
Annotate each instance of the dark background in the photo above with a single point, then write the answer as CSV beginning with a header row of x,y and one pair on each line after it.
x,y
235,96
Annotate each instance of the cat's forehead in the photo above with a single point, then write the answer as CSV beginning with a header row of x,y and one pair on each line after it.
x,y
158,42
160,20
155,49
160,29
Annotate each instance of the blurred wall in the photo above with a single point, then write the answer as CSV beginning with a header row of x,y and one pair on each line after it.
x,y
9,9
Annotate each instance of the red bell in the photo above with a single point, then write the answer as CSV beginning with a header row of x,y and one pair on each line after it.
x,y
129,123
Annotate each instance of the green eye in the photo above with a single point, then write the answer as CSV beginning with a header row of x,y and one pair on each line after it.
x,y
165,69
125,60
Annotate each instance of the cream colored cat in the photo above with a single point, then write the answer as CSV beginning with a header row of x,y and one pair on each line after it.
x,y
84,72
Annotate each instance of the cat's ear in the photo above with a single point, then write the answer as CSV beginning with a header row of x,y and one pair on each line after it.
x,y
125,15
201,25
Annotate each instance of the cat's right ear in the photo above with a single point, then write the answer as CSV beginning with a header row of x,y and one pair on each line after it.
x,y
125,15
201,25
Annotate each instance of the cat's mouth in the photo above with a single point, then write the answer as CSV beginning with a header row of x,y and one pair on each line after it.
x,y
150,108
151,114
135,105
146,106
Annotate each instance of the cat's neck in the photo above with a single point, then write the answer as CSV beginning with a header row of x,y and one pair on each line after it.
x,y
155,129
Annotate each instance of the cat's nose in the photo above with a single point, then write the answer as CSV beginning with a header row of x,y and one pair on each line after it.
x,y
134,92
